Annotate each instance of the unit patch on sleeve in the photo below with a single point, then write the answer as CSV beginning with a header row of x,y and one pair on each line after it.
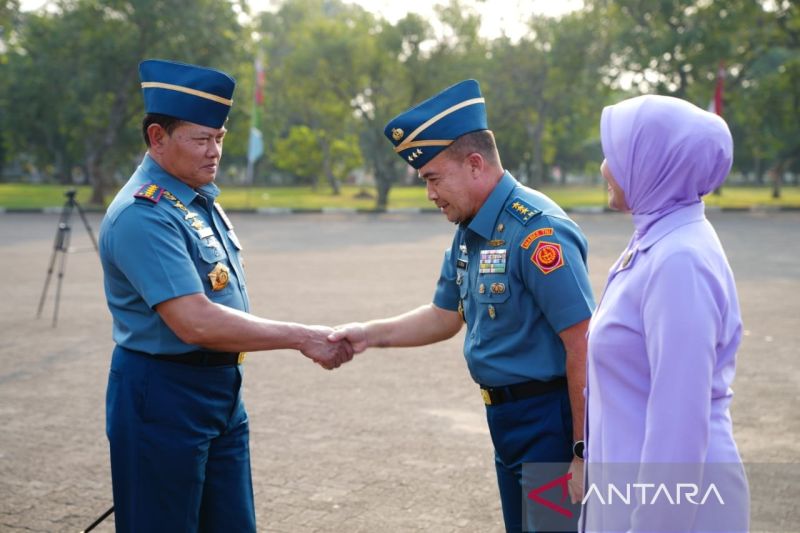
x,y
150,191
547,256
522,210
541,232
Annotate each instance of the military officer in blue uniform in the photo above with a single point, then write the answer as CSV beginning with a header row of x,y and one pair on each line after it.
x,y
516,275
176,287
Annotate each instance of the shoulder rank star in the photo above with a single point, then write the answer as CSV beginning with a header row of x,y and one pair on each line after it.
x,y
522,210
219,277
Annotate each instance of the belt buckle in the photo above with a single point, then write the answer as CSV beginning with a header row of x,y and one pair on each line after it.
x,y
241,357
487,398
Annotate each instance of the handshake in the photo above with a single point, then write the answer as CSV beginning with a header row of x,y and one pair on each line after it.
x,y
332,347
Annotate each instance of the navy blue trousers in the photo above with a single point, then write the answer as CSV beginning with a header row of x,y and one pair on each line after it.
x,y
180,458
532,430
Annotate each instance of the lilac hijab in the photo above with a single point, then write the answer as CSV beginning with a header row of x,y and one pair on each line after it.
x,y
664,153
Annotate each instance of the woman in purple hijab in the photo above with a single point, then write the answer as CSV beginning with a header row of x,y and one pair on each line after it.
x,y
663,340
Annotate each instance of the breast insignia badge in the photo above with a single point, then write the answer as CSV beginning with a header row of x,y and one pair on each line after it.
x,y
219,277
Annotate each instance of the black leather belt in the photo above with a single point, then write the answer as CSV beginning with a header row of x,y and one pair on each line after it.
x,y
520,391
202,358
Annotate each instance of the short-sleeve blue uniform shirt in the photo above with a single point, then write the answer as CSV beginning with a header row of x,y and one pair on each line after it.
x,y
517,273
159,248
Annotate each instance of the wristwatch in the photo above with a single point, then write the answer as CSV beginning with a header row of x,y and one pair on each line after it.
x,y
577,449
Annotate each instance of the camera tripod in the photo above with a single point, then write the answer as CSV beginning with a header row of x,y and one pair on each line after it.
x,y
61,245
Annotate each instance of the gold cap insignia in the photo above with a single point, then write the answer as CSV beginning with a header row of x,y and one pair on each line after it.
x,y
219,277
397,134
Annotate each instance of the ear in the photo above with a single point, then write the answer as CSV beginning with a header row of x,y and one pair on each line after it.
x,y
476,163
157,136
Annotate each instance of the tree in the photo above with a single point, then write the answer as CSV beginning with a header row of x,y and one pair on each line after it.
x,y
391,58
73,91
674,47
316,70
299,154
9,19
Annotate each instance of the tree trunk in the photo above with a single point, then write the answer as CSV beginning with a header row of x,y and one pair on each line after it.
x,y
96,148
94,175
384,185
777,178
535,170
327,168
759,170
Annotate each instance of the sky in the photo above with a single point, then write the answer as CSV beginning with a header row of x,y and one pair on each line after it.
x,y
497,16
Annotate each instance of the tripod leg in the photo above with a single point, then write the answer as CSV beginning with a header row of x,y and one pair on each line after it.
x,y
61,268
49,274
58,245
86,224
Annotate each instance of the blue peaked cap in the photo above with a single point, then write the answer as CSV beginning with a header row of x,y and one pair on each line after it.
x,y
188,92
419,134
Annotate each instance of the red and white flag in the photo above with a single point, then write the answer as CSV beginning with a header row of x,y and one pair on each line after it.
x,y
715,106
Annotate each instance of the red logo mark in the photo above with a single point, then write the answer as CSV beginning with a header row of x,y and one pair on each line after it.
x,y
563,481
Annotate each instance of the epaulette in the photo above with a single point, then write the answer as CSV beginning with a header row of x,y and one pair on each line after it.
x,y
150,191
522,210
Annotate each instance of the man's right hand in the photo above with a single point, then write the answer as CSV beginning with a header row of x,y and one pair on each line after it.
x,y
355,333
328,354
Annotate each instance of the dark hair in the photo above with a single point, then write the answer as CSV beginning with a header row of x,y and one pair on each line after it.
x,y
481,141
165,121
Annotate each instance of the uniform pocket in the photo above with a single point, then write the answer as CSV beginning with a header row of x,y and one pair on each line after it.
x,y
496,315
492,290
212,254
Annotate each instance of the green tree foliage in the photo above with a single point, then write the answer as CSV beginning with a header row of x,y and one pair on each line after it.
x,y
315,72
300,153
336,74
73,91
544,94
676,47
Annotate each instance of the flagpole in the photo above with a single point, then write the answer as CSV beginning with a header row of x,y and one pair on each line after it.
x,y
255,144
716,103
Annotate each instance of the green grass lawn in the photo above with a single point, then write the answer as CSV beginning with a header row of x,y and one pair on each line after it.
x,y
26,196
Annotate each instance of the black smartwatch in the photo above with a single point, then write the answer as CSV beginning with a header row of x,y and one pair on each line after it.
x,y
577,449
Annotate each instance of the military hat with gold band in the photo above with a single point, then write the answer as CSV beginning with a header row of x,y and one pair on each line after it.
x,y
420,133
196,94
